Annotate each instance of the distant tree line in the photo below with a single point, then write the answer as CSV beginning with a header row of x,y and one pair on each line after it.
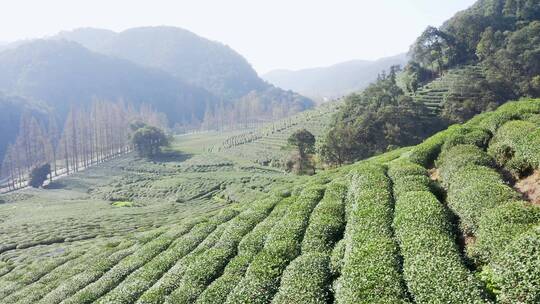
x,y
253,110
90,135
376,120
498,39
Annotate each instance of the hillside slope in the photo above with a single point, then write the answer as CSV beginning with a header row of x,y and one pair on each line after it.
x,y
334,81
381,230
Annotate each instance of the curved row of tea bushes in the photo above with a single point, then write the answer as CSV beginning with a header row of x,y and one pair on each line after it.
x,y
336,258
34,292
492,121
467,136
327,222
143,278
168,281
516,147
473,188
307,279
517,271
282,245
499,226
29,275
92,273
210,264
451,161
370,272
120,271
424,154
248,248
432,266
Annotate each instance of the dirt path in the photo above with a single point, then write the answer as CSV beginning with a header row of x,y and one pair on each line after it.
x,y
530,187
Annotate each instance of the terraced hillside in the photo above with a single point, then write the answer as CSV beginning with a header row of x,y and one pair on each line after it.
x,y
455,85
440,222
268,145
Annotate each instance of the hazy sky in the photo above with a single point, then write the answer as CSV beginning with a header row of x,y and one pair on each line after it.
x,y
271,34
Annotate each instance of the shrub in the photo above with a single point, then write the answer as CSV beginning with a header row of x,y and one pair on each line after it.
x,y
472,201
211,263
202,237
425,153
39,175
509,111
455,158
527,155
127,266
261,280
327,221
305,280
370,267
517,272
411,183
92,273
467,136
499,226
432,264
248,248
401,169
336,258
511,139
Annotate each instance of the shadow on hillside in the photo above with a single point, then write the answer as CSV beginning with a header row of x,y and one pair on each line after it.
x,y
55,185
171,156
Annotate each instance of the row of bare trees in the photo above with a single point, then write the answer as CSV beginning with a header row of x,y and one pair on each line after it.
x,y
90,135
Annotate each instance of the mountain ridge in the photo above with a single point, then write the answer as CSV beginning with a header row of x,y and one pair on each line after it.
x,y
333,81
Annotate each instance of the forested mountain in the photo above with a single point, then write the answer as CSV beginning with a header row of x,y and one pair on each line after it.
x,y
11,110
196,60
200,62
479,59
333,81
62,73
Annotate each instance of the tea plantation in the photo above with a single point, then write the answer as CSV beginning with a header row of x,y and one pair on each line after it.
x,y
440,222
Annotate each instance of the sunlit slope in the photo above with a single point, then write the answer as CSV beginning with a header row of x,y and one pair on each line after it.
x,y
437,223
267,145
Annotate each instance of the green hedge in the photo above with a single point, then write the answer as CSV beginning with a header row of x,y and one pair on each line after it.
x,y
507,112
425,153
261,280
336,258
432,265
511,144
457,157
517,272
89,275
306,280
248,248
467,136
115,275
204,238
327,222
209,265
526,155
499,226
370,271
34,292
473,199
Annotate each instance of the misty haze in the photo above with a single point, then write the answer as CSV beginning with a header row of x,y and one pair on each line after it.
x,y
270,152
